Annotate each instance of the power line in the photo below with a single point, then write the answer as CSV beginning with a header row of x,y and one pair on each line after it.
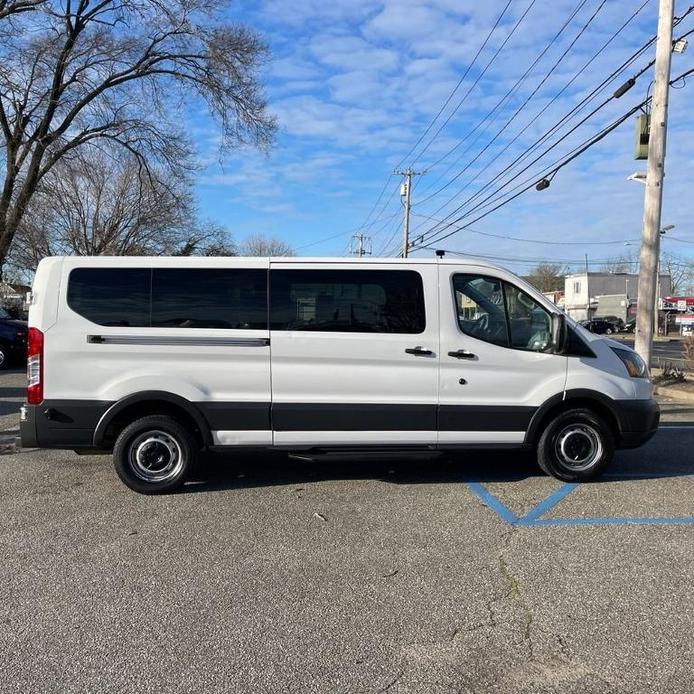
x,y
499,103
423,135
474,84
343,233
567,117
535,145
551,172
533,261
457,86
532,94
540,241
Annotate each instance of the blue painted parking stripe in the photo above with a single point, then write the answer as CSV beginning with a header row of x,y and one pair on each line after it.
x,y
550,502
624,520
488,499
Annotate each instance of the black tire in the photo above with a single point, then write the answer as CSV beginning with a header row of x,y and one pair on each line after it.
x,y
154,454
4,357
578,432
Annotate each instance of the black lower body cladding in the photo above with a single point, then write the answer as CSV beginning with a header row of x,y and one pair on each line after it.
x,y
72,423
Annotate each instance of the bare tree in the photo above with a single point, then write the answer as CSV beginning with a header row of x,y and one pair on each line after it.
x,y
75,73
681,271
95,204
259,245
14,7
625,262
210,240
547,277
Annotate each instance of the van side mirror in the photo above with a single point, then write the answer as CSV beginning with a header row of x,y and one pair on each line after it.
x,y
558,333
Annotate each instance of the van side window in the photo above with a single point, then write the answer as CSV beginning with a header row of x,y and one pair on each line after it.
x,y
495,311
362,301
170,297
209,298
481,312
530,324
110,296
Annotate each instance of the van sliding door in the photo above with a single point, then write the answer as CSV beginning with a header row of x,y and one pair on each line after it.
x,y
355,352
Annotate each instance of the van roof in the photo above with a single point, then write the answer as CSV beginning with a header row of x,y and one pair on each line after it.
x,y
141,260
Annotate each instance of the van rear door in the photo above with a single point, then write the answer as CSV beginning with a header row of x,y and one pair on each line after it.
x,y
355,353
192,328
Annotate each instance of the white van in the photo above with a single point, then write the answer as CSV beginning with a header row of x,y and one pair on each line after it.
x,y
157,358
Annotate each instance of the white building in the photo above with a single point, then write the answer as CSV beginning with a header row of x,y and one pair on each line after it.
x,y
583,289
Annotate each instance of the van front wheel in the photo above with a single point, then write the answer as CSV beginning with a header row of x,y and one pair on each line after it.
x,y
576,446
154,454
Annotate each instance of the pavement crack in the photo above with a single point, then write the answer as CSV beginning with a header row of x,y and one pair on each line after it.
x,y
563,647
393,682
515,593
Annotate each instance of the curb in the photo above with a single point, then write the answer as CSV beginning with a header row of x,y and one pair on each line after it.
x,y
674,394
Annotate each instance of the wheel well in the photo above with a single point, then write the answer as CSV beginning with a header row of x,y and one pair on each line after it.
x,y
600,409
145,408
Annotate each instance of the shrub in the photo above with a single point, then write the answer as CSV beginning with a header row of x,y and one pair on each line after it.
x,y
688,348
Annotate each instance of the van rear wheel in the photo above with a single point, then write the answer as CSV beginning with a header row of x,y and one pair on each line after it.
x,y
576,446
154,454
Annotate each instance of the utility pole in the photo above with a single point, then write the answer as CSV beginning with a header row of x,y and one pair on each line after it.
x,y
587,290
361,245
650,238
405,194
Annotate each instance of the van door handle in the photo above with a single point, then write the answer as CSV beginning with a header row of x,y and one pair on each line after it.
x,y
419,351
462,354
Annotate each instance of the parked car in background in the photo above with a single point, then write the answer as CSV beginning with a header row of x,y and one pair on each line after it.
x,y
599,326
617,323
13,339
630,325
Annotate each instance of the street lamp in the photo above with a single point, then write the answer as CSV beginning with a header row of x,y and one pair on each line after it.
x,y
668,227
663,231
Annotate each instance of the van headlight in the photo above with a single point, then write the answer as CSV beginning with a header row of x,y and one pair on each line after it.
x,y
636,367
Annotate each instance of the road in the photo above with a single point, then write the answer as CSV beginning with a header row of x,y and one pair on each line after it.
x,y
663,351
403,574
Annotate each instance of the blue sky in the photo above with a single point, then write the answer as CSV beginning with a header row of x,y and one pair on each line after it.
x,y
354,83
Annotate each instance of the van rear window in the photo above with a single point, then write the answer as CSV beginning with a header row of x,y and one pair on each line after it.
x,y
364,301
111,296
170,297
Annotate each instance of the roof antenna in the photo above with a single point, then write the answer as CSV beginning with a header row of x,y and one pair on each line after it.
x,y
440,254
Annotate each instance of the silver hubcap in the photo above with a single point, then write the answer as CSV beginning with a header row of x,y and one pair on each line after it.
x,y
578,446
155,456
2,357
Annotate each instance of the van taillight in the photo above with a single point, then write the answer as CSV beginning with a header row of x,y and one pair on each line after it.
x,y
34,366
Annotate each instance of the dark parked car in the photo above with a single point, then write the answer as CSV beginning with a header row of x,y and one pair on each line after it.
x,y
600,326
617,322
13,339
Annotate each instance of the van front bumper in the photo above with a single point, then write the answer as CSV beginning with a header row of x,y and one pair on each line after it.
x,y
638,421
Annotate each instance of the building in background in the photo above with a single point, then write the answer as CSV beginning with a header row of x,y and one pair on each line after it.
x,y
12,295
582,292
557,298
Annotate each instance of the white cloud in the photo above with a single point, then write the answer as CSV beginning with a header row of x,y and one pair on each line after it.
x,y
355,82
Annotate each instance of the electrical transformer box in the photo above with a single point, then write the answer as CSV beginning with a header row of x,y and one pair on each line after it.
x,y
643,129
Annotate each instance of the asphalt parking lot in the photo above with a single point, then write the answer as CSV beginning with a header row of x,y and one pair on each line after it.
x,y
420,574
